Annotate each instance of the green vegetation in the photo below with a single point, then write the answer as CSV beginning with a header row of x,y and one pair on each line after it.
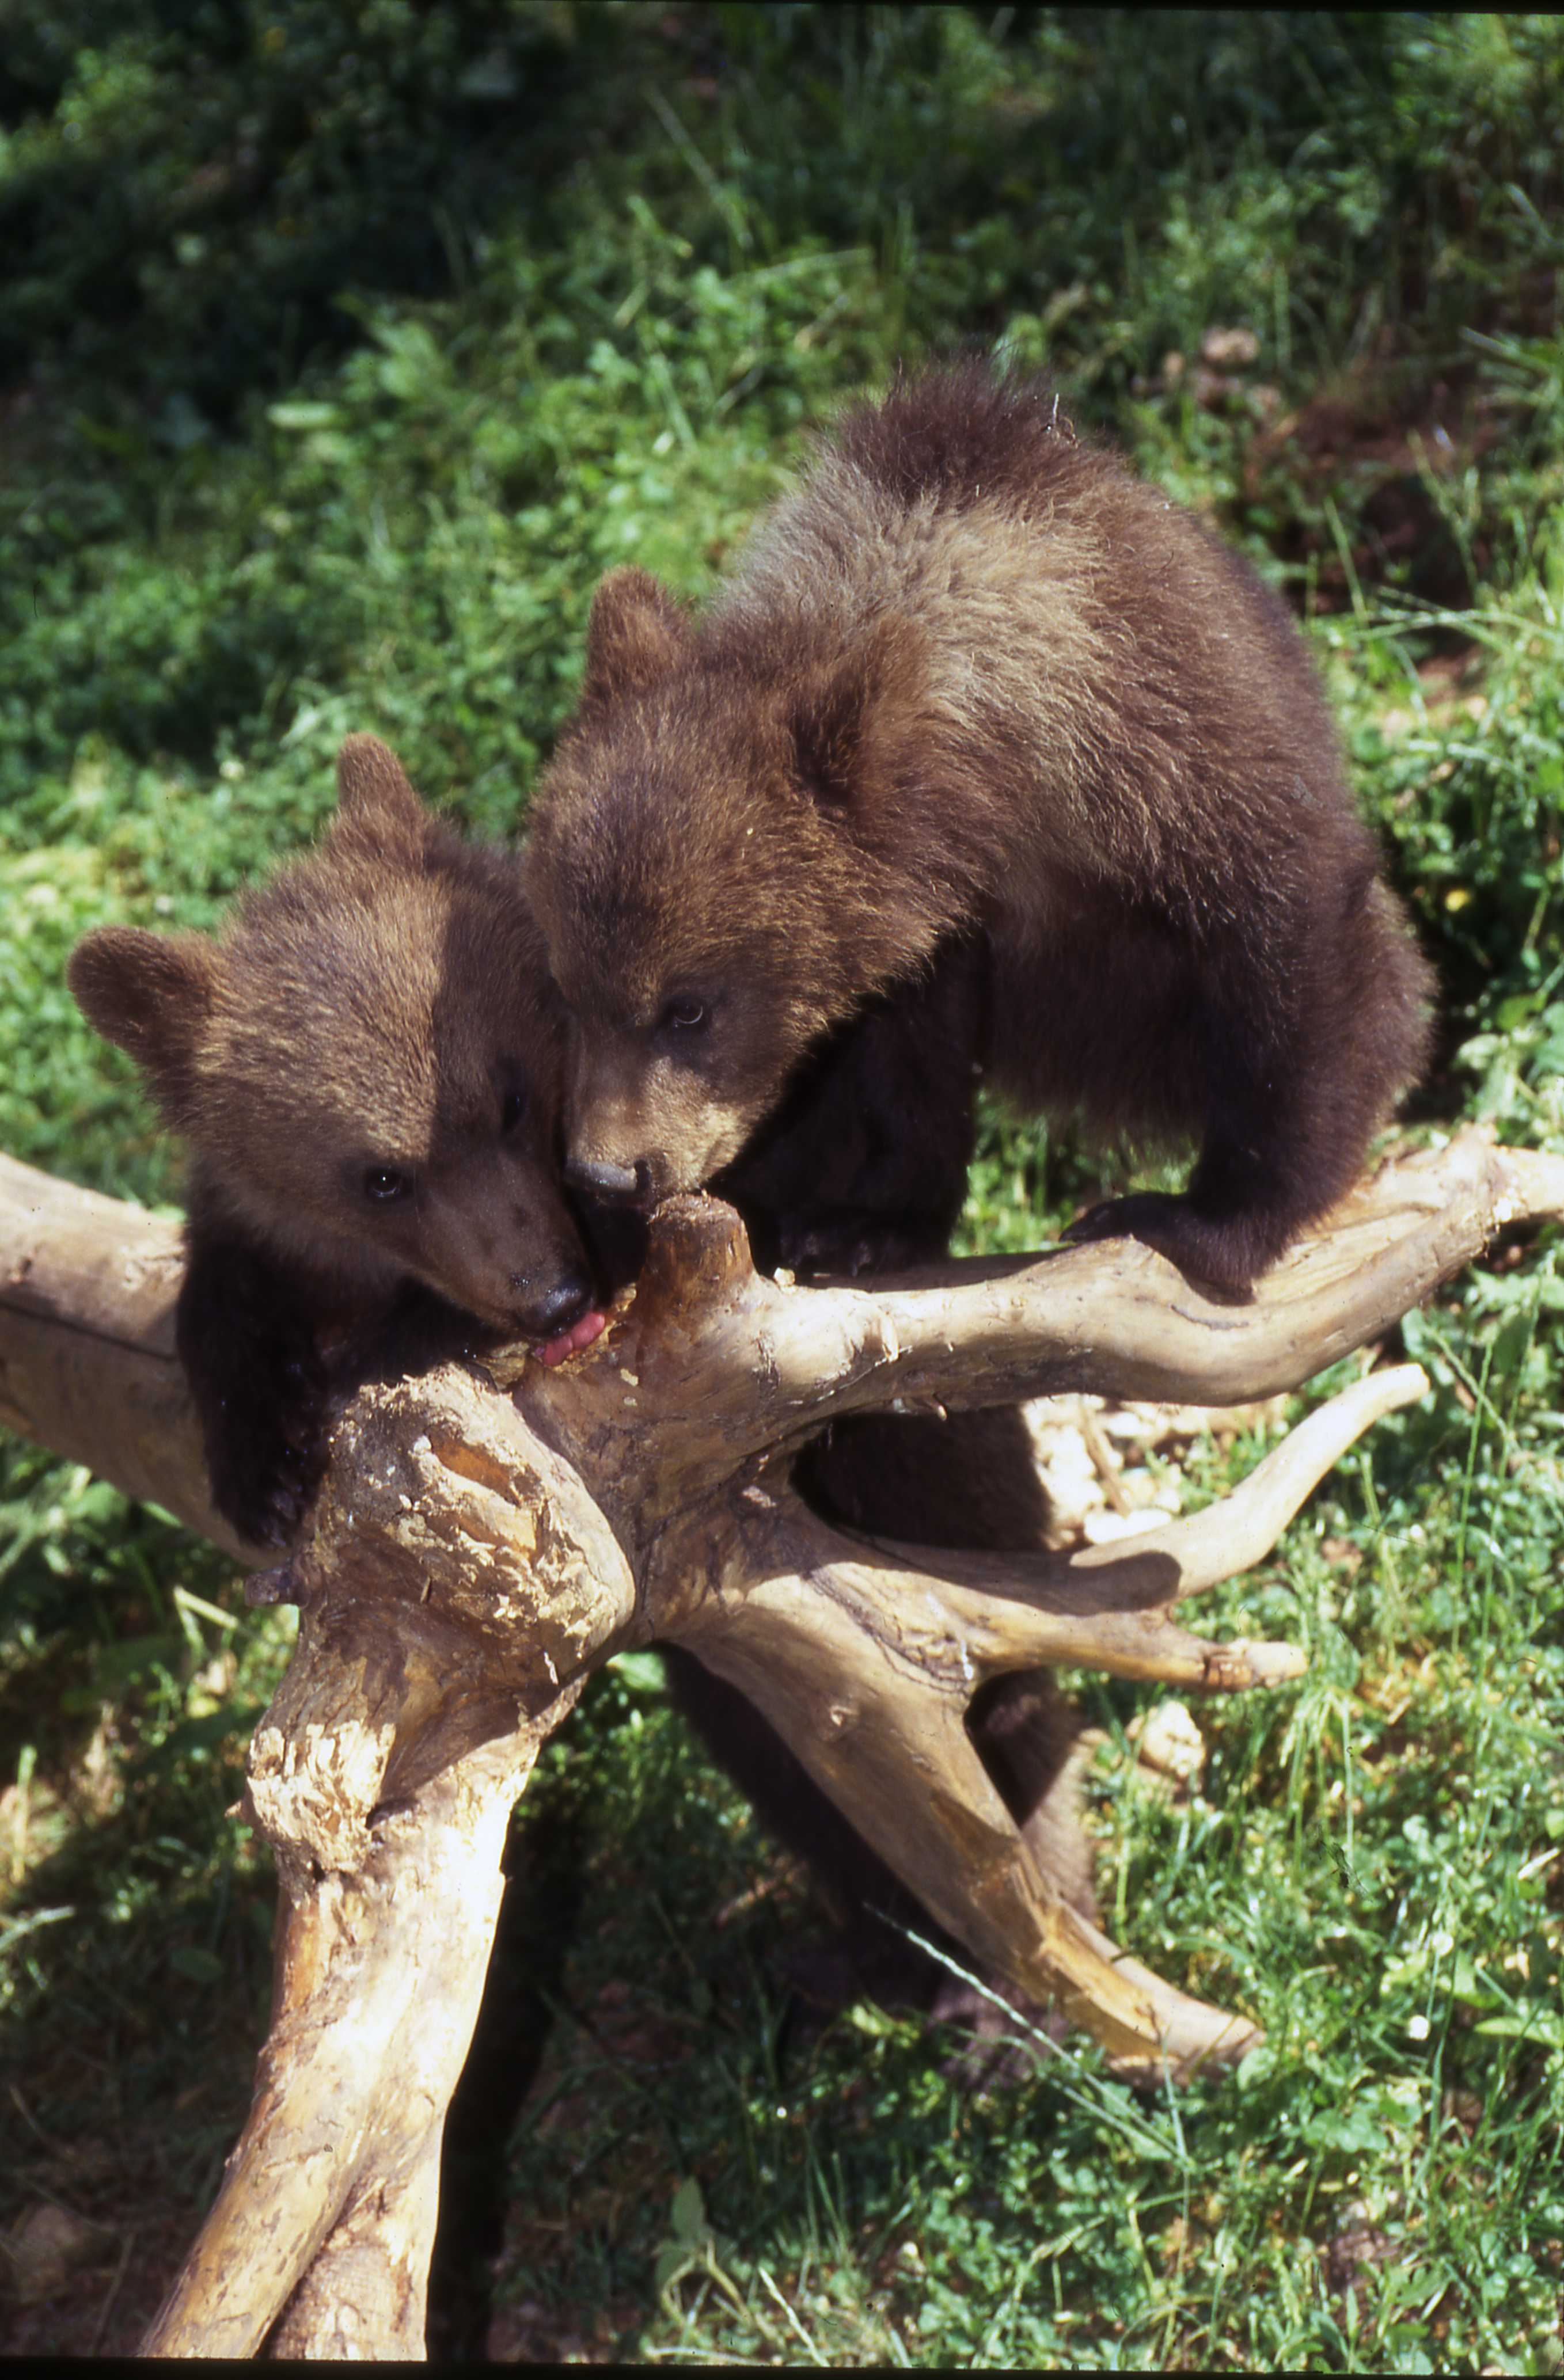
x,y
341,349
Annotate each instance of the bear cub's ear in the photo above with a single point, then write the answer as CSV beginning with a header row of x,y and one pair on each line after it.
x,y
375,802
150,994
840,720
636,634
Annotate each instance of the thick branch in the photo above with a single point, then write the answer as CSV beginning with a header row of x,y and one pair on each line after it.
x,y
867,1665
721,1363
1133,1327
379,1972
707,1363
87,1360
473,1556
881,1725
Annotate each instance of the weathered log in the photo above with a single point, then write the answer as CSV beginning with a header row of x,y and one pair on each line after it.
x,y
326,2214
87,1360
476,1553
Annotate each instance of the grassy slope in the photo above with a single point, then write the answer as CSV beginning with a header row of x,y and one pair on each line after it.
x,y
331,382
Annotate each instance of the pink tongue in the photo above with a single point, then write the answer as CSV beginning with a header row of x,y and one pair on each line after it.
x,y
580,1334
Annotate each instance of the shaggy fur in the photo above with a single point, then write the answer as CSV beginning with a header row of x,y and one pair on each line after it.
x,y
974,676
839,1181
366,1067
864,1165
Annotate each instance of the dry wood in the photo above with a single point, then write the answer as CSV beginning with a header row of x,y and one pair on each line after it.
x,y
87,1360
328,2210
476,1553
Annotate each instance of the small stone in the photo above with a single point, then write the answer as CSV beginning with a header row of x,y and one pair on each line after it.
x,y
1238,345
1169,1741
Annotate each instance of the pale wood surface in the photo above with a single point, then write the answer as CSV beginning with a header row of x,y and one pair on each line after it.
x,y
487,1535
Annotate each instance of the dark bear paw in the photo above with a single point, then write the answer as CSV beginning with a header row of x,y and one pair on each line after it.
x,y
1219,1255
849,1246
881,1965
1002,2038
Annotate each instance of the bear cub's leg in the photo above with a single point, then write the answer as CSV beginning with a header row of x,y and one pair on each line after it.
x,y
246,1333
1257,1181
863,1167
270,1373
1296,1066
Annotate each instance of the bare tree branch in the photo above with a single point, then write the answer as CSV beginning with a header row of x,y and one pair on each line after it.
x,y
474,1554
380,1968
1146,1573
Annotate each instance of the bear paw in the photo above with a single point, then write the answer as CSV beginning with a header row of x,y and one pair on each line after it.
x,y
1216,1256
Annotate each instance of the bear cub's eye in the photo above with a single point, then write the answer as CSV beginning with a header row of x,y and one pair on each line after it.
x,y
513,1110
383,1185
685,1014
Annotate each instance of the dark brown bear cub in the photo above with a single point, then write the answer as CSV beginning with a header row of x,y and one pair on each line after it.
x,y
974,674
865,1164
366,1066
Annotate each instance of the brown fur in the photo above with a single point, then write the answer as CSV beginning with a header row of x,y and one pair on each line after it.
x,y
366,1009
380,1008
863,1164
973,674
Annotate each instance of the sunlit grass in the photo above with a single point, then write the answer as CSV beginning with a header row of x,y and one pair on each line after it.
x,y
361,469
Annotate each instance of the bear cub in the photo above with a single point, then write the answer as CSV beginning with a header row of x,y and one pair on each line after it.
x,y
975,677
863,1165
366,1067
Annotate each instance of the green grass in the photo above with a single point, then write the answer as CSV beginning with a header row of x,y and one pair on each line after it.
x,y
333,378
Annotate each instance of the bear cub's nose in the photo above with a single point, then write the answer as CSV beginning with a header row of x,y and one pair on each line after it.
x,y
565,1304
618,1185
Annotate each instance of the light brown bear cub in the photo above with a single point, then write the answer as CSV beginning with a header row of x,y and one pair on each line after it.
x,y
974,674
366,1066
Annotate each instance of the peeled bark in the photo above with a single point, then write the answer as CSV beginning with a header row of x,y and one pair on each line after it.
x,y
487,1535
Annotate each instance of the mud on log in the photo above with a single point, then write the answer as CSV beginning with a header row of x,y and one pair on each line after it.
x,y
488,1536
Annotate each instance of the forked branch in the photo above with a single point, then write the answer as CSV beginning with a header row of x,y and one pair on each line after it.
x,y
475,1554
866,1659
